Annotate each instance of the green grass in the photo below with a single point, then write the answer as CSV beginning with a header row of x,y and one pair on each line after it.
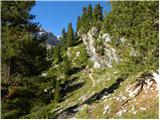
x,y
74,96
42,112
83,114
97,107
82,59
104,78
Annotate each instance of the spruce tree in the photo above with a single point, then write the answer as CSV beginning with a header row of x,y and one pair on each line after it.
x,y
83,20
136,22
17,38
66,66
89,15
78,23
57,92
105,14
100,12
70,35
97,15
63,37
23,56
14,23
64,34
63,43
56,56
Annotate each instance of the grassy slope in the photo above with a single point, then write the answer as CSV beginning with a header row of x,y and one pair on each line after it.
x,y
104,78
133,108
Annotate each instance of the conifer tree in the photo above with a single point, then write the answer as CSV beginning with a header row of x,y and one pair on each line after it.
x,y
56,56
63,43
17,38
57,92
23,56
70,35
66,66
63,36
133,21
78,23
97,14
87,18
83,20
89,15
105,14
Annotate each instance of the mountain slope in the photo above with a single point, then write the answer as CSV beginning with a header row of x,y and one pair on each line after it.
x,y
104,95
51,39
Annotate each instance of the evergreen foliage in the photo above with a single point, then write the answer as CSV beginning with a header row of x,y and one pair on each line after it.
x,y
84,14
66,66
23,56
57,55
90,18
78,23
64,36
97,15
70,35
89,14
57,92
18,41
136,22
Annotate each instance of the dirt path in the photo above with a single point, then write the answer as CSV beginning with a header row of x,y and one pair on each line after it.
x,y
89,73
93,81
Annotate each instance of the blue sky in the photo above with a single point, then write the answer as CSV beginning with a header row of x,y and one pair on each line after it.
x,y
55,15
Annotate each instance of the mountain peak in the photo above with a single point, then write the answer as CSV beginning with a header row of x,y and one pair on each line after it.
x,y
52,40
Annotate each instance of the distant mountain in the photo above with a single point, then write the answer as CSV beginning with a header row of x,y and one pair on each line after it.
x,y
52,40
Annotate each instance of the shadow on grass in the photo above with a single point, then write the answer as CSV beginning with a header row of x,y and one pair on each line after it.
x,y
77,42
68,82
76,70
105,91
70,111
70,86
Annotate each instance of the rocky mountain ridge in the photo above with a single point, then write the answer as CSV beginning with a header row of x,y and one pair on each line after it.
x,y
51,39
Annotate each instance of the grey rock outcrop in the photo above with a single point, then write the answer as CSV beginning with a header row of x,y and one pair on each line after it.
x,y
90,41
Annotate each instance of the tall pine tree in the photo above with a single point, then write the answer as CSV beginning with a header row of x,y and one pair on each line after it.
x,y
64,36
56,56
23,56
70,35
78,23
97,15
89,16
17,39
66,66
84,14
136,22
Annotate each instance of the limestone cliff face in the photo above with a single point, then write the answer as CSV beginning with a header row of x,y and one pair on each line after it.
x,y
94,43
